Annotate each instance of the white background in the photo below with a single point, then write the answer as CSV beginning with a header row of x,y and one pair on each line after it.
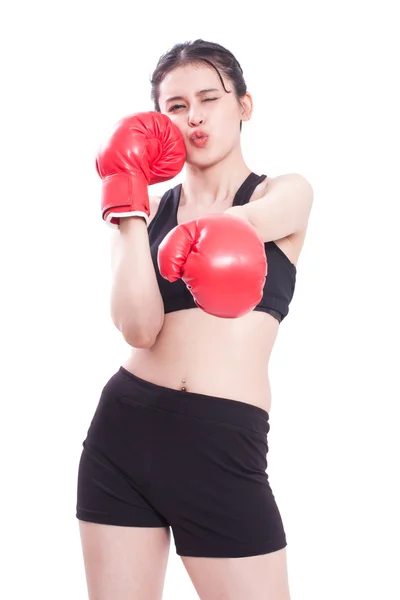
x,y
324,79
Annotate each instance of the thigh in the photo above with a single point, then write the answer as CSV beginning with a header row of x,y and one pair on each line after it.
x,y
261,577
108,496
124,563
213,488
114,468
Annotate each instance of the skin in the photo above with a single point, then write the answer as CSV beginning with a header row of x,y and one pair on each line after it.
x,y
234,365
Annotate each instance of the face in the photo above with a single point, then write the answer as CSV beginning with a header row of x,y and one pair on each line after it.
x,y
208,117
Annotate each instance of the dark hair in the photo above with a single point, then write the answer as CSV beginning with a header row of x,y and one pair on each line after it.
x,y
194,52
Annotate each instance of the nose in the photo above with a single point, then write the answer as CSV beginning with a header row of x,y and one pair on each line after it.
x,y
195,118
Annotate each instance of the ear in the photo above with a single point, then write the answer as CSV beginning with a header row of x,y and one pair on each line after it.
x,y
246,103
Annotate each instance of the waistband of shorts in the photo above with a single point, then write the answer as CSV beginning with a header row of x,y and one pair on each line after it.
x,y
201,406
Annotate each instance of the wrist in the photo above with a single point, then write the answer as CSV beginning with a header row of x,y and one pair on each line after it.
x,y
134,222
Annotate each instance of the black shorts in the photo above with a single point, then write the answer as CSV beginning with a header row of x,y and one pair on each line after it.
x,y
159,457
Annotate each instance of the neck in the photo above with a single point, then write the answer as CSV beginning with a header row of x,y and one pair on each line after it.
x,y
214,184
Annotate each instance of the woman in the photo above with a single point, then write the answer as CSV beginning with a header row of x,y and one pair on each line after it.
x,y
179,438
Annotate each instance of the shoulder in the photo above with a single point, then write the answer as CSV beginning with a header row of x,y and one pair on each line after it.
x,y
293,182
292,187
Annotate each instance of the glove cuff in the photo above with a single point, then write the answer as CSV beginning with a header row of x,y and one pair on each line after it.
x,y
124,194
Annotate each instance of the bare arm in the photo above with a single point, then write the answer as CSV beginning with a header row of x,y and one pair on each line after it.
x,y
282,211
137,308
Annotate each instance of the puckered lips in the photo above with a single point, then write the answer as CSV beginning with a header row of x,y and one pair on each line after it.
x,y
198,138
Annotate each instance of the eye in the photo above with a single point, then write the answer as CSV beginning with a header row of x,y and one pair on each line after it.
x,y
175,107
210,99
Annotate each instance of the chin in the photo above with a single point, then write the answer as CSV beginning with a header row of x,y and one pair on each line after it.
x,y
205,159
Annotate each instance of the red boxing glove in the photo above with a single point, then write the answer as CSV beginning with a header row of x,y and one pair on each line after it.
x,y
143,149
221,258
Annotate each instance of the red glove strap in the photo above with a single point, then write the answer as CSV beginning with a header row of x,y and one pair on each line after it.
x,y
124,194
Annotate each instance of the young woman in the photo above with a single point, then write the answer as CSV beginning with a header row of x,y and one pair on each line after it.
x,y
202,277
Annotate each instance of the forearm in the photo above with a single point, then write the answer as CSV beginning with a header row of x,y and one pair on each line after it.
x,y
136,305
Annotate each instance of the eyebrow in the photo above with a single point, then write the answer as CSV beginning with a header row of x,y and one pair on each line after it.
x,y
197,94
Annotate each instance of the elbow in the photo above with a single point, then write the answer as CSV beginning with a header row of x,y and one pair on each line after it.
x,y
143,337
139,327
141,340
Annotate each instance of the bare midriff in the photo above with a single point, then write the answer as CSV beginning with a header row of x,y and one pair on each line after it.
x,y
199,353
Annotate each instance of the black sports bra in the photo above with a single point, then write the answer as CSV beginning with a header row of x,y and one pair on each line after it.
x,y
281,278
